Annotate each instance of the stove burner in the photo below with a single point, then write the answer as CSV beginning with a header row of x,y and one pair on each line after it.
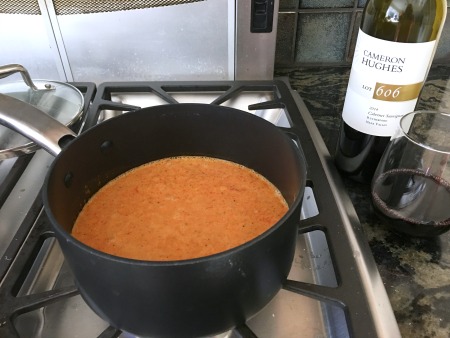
x,y
333,276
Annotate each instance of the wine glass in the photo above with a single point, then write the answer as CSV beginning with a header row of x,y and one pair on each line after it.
x,y
411,185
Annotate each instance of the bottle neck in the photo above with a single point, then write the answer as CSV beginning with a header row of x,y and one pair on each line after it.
x,y
404,21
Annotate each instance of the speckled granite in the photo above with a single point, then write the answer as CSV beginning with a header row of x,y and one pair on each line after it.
x,y
416,272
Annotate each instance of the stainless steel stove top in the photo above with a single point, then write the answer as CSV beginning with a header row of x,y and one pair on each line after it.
x,y
333,290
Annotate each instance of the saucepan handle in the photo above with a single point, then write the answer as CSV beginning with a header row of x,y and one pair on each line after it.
x,y
34,124
8,70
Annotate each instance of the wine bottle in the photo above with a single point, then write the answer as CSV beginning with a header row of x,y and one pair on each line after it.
x,y
395,47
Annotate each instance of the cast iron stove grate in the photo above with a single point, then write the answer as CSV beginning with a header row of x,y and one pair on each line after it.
x,y
359,291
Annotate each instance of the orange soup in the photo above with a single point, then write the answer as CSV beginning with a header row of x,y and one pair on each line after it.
x,y
179,208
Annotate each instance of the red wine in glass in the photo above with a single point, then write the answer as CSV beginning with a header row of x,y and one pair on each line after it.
x,y
413,202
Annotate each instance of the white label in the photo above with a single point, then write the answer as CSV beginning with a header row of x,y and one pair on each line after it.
x,y
385,82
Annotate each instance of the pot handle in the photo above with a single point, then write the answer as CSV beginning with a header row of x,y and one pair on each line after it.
x,y
34,124
7,70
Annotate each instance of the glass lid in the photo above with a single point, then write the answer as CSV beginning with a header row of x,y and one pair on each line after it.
x,y
60,100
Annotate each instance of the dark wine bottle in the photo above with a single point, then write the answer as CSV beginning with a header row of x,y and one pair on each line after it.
x,y
396,44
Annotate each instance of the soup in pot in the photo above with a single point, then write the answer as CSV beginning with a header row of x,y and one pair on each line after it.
x,y
179,208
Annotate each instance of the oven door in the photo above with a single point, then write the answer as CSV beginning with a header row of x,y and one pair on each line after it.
x,y
193,40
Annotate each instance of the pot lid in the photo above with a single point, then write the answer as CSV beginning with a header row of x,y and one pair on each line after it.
x,y
60,100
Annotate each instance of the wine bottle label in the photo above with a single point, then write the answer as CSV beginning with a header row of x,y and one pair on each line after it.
x,y
385,81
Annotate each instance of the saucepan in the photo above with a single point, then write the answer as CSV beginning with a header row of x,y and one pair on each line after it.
x,y
189,298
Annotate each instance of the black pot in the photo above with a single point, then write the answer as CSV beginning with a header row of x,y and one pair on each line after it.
x,y
186,298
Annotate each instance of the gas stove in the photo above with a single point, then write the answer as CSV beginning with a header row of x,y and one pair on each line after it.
x,y
333,290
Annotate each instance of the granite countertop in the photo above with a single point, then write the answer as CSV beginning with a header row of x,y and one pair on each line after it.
x,y
415,272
